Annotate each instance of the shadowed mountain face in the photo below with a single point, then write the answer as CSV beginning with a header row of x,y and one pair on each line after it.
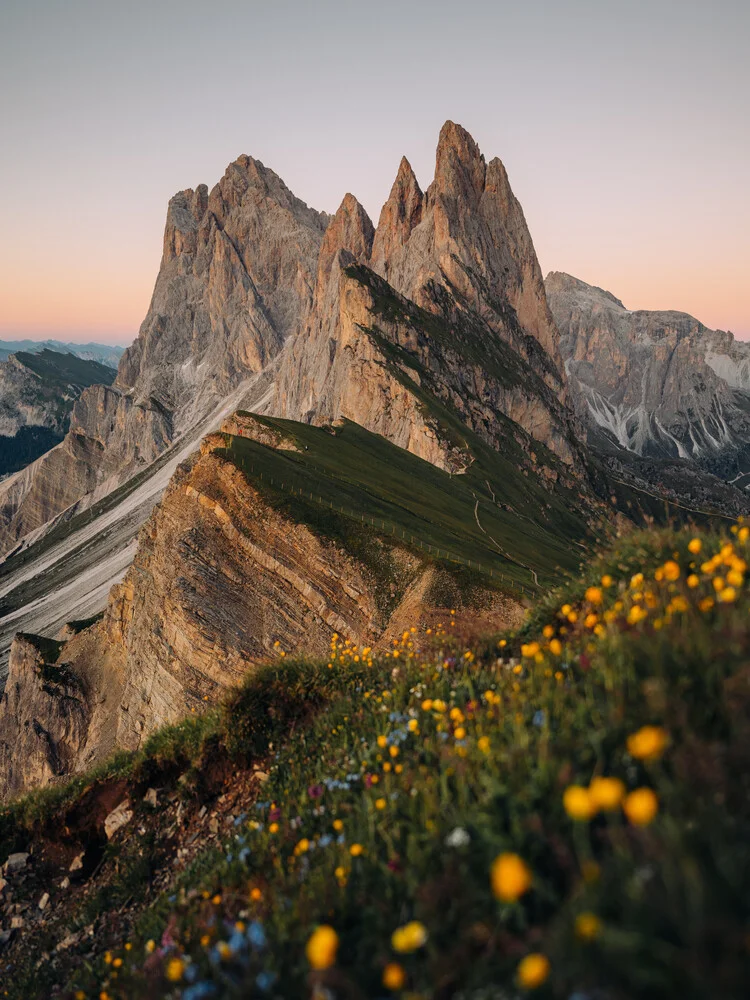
x,y
659,385
105,354
37,394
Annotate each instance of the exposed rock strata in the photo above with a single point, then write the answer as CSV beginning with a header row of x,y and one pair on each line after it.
x,y
220,578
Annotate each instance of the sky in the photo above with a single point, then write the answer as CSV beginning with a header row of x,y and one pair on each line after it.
x,y
624,126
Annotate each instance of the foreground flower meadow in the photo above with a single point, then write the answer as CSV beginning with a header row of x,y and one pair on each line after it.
x,y
560,813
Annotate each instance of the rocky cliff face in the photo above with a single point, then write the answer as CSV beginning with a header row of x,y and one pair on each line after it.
x,y
221,581
657,384
448,289
236,278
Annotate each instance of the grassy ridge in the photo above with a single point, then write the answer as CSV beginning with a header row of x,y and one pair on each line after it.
x,y
409,775
58,370
352,468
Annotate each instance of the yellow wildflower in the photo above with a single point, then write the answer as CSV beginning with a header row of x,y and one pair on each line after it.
x,y
394,976
533,970
380,803
322,947
728,595
671,570
588,926
641,806
649,743
606,580
510,877
409,938
693,581
356,850
578,803
594,595
175,969
555,647
606,793
695,545
636,614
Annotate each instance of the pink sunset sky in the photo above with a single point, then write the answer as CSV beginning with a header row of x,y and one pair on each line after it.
x,y
625,129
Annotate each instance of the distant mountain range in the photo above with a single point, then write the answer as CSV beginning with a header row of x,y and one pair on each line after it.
x,y
105,354
37,394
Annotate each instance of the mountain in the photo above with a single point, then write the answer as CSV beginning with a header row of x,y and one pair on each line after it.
x,y
446,294
105,354
236,275
37,395
412,448
658,392
355,426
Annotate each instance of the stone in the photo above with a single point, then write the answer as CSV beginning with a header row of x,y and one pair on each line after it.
x,y
17,923
42,904
151,798
120,816
65,884
15,863
77,863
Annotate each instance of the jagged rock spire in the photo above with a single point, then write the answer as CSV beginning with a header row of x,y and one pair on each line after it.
x,y
398,217
468,235
351,230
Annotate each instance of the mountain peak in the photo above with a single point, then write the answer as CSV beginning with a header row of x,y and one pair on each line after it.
x,y
459,165
350,229
398,217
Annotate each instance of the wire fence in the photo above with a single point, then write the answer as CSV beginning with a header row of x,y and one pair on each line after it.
x,y
391,528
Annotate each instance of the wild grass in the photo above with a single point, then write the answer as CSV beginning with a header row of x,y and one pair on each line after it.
x,y
397,781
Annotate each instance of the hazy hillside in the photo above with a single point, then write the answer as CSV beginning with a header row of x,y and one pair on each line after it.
x,y
37,394
106,354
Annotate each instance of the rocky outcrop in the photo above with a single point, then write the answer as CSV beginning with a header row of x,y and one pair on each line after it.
x,y
44,717
657,384
236,278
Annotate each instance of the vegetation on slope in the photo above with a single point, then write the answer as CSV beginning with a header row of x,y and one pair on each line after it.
x,y
60,370
60,378
563,812
348,483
